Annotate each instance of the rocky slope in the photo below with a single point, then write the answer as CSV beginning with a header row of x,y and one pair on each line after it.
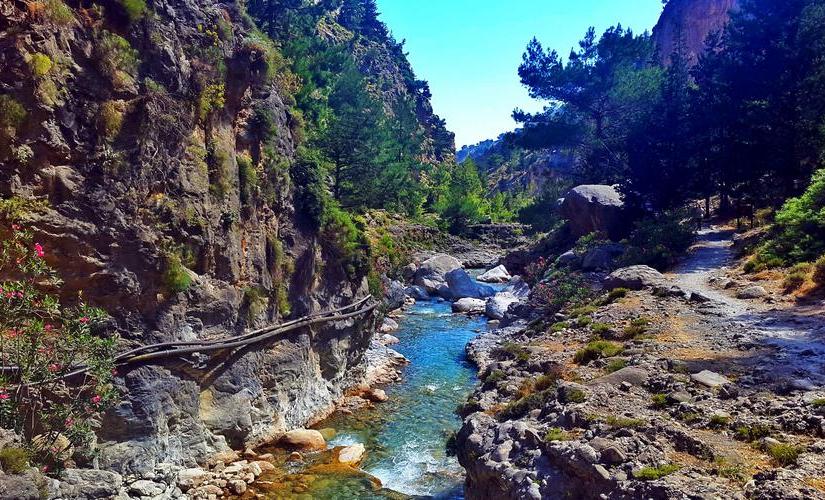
x,y
166,208
677,389
690,22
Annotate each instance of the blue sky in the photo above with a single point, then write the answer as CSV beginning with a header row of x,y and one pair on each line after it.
x,y
469,50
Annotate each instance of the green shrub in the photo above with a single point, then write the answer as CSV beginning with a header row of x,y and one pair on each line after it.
x,y
596,350
494,377
583,311
819,271
110,119
660,401
116,58
752,432
12,116
134,9
659,240
600,329
247,176
211,98
57,12
40,65
515,351
654,473
796,277
556,434
546,381
583,321
576,396
524,405
623,422
615,365
784,454
818,403
345,240
175,276
14,460
311,196
218,162
718,421
557,327
616,294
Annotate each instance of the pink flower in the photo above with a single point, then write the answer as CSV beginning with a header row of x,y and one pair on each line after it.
x,y
84,320
69,422
48,327
3,396
15,227
54,367
38,249
97,399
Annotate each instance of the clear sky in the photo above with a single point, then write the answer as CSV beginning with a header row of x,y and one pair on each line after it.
x,y
469,50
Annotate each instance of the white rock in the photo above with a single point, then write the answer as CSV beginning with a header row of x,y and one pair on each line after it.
x,y
305,439
469,306
352,455
145,488
388,326
752,292
388,339
497,274
710,379
496,307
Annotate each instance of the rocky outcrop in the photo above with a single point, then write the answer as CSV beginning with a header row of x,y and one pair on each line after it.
x,y
431,274
689,22
595,209
152,214
460,285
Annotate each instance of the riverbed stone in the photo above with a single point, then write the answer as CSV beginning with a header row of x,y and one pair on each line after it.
x,y
752,292
710,379
461,285
498,274
634,278
497,306
432,272
304,439
468,306
352,455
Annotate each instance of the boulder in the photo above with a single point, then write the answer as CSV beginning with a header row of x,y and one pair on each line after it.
x,y
469,306
631,375
417,292
752,292
352,455
602,257
376,395
518,287
569,259
710,379
304,439
432,272
388,339
461,285
394,295
497,274
389,325
634,278
595,208
497,306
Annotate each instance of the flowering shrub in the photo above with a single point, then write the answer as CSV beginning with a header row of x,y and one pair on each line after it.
x,y
41,344
560,289
535,270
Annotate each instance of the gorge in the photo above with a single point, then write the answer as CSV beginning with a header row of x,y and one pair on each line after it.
x,y
240,257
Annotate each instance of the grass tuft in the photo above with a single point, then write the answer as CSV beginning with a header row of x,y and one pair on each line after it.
x,y
654,473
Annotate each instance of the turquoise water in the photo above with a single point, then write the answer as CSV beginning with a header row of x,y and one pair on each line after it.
x,y
405,437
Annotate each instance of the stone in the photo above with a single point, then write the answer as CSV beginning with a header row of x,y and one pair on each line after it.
x,y
25,486
752,292
601,472
497,274
394,294
328,433
376,395
710,379
89,483
432,272
518,287
728,391
602,257
595,209
388,339
304,439
469,306
295,457
630,374
497,306
352,455
569,259
389,325
570,392
191,478
611,453
677,397
461,285
417,292
634,278
145,488
408,271
265,466
237,486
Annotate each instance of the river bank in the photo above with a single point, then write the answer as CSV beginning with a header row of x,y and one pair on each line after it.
x,y
676,389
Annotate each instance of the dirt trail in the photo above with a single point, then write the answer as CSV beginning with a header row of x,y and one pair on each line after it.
x,y
797,338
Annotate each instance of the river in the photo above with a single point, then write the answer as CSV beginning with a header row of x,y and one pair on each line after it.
x,y
406,436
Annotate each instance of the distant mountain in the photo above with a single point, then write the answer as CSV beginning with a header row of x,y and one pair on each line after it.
x,y
692,21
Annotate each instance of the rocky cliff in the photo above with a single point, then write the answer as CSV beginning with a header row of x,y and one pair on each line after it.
x,y
162,139
690,21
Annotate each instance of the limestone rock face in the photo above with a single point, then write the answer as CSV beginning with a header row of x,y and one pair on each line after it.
x,y
692,21
594,208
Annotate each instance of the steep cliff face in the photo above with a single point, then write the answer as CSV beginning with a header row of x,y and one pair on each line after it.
x,y
690,21
169,209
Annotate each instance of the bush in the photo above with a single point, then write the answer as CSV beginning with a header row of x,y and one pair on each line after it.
x,y
654,473
14,460
45,342
796,276
256,302
718,421
12,116
54,11
345,240
116,58
211,98
247,177
556,434
659,240
659,401
596,350
557,327
524,405
494,377
784,454
624,422
310,194
752,432
600,329
134,9
40,65
515,351
175,277
110,119
560,289
819,271
615,365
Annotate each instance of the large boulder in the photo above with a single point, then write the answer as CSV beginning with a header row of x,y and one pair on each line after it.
x,y
497,306
394,295
518,287
304,439
432,272
595,209
602,257
461,285
497,274
634,278
469,306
